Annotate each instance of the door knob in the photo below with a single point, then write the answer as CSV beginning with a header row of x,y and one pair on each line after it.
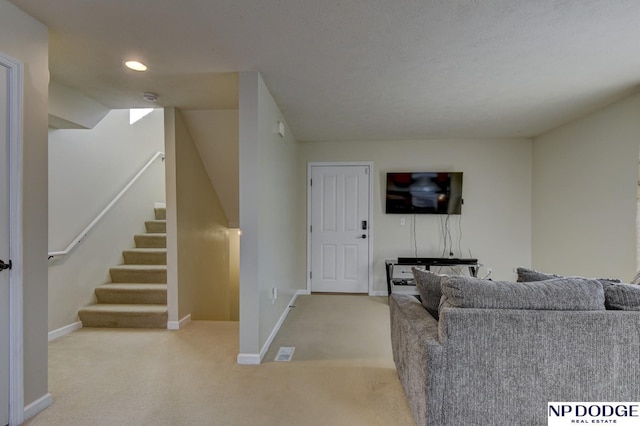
x,y
363,236
4,266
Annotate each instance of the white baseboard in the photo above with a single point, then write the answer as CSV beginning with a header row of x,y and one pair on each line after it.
x,y
303,293
177,325
255,359
37,406
248,359
63,331
276,328
160,205
185,321
378,293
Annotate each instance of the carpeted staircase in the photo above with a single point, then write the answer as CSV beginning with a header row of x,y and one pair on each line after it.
x,y
137,294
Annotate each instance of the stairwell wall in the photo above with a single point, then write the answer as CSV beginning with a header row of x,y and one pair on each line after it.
x,y
197,232
87,169
215,134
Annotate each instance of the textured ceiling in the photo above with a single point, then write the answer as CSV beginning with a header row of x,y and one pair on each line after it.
x,y
358,69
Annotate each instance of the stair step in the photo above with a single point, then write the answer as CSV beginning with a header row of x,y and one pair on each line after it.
x,y
139,274
124,316
161,213
156,226
158,240
130,293
145,256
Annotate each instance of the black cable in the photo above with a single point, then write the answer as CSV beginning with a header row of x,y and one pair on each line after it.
x,y
443,234
460,235
450,242
415,238
448,235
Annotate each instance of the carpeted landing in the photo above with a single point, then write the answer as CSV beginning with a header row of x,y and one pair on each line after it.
x,y
342,373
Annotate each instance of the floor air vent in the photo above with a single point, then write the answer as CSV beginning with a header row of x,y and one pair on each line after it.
x,y
285,353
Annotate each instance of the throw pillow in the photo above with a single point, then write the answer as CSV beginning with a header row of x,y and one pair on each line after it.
x,y
564,294
624,297
429,286
528,275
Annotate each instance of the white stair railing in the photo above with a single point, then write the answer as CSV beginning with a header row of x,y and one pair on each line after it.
x,y
85,231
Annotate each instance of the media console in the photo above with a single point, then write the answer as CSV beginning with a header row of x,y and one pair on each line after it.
x,y
425,262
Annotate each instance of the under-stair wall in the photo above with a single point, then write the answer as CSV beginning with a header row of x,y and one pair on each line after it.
x,y
87,168
197,232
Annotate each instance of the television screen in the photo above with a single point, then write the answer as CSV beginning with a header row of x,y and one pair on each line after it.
x,y
424,193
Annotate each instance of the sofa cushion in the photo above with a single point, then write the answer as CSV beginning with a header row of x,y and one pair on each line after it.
x,y
528,275
565,294
625,297
429,286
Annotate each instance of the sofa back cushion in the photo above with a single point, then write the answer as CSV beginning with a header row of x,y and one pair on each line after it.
x,y
625,297
429,286
565,294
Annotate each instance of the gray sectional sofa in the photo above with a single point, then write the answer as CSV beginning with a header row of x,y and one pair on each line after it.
x,y
496,353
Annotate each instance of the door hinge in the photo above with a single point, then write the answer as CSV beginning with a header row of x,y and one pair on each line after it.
x,y
311,228
310,182
310,275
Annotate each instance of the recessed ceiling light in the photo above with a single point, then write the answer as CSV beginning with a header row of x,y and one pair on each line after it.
x,y
135,65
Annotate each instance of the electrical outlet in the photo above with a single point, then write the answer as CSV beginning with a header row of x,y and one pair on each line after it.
x,y
403,221
274,294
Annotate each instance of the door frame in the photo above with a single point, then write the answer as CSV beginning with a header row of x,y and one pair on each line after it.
x,y
16,348
368,164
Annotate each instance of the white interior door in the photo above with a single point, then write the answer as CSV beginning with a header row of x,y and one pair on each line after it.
x,y
4,250
339,228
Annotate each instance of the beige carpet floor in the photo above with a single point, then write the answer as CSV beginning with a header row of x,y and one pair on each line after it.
x,y
342,373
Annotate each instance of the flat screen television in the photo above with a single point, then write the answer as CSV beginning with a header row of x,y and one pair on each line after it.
x,y
424,193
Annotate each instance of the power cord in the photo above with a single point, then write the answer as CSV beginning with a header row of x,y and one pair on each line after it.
x,y
415,238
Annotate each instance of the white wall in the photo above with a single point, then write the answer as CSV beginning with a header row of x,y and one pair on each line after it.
x,y
71,109
26,39
496,215
269,220
87,169
584,194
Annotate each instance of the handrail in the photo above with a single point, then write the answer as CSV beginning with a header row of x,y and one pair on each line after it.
x,y
85,231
